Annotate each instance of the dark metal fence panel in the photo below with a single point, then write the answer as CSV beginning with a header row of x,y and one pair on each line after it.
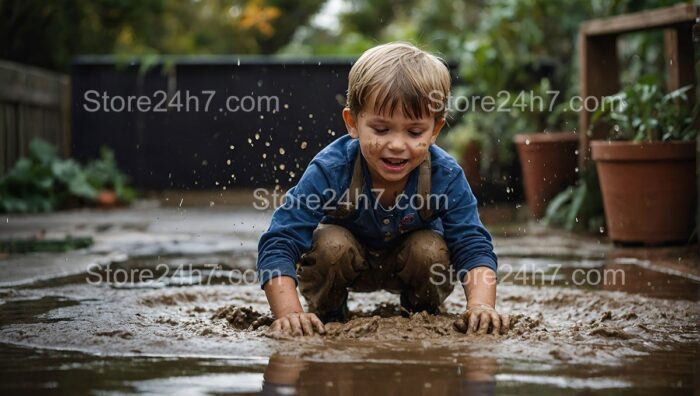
x,y
296,111
33,103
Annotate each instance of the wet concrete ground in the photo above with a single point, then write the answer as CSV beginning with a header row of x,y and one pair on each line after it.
x,y
160,304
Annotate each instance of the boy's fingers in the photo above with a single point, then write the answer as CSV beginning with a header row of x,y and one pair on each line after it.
x,y
496,320
460,325
505,323
484,320
473,322
284,323
319,325
306,325
296,326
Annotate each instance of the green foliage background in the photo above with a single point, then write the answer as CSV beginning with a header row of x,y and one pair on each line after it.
x,y
43,182
508,46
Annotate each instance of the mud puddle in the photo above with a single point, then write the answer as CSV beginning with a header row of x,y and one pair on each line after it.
x,y
194,327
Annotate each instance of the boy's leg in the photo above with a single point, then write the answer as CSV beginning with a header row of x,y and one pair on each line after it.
x,y
326,271
422,263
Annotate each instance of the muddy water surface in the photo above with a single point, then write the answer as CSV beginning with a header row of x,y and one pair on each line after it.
x,y
187,330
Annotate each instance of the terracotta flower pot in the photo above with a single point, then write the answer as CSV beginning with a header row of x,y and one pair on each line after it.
x,y
649,190
106,199
471,164
548,162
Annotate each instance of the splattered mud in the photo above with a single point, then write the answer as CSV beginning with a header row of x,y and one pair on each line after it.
x,y
174,333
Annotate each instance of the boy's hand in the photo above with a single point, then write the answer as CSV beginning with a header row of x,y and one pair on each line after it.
x,y
298,324
482,319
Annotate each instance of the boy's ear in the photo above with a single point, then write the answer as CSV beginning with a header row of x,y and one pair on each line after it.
x,y
350,123
436,130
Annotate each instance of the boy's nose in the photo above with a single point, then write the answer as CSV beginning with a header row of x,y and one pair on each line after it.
x,y
396,145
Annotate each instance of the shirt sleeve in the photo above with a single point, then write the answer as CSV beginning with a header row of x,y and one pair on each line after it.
x,y
292,226
469,242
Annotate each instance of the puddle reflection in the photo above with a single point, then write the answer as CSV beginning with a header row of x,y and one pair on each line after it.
x,y
290,375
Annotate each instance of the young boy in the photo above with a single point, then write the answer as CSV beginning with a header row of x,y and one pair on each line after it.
x,y
382,208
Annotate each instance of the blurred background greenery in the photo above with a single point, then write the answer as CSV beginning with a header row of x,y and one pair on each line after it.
x,y
499,46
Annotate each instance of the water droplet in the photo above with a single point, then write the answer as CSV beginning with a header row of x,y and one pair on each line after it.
x,y
281,151
281,166
311,115
264,155
228,162
303,145
231,147
257,136
527,141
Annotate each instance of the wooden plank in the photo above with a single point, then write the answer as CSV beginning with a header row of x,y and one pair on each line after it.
x,y
65,119
12,149
3,141
24,84
33,103
696,62
674,16
600,72
679,60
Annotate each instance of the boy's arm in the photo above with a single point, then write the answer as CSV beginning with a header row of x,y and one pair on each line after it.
x,y
281,293
472,255
480,291
282,296
280,247
292,226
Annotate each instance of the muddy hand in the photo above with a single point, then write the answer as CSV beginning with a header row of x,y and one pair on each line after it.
x,y
482,319
298,324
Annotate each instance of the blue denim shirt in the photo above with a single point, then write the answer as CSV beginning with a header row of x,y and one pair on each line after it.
x,y
328,176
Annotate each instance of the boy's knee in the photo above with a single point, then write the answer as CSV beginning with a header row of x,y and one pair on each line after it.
x,y
426,247
332,243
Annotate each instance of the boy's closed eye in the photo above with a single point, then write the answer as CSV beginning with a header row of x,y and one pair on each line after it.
x,y
412,132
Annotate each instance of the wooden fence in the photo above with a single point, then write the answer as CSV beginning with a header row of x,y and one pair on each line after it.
x,y
33,103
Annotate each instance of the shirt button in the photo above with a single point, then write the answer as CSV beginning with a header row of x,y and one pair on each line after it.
x,y
386,221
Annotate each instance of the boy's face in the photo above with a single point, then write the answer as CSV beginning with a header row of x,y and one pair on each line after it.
x,y
393,145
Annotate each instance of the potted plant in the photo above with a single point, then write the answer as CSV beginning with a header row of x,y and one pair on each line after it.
x,y
548,163
647,166
548,159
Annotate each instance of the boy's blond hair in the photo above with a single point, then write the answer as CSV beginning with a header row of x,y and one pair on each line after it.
x,y
399,74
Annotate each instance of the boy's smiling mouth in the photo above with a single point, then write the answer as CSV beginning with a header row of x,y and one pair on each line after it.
x,y
394,164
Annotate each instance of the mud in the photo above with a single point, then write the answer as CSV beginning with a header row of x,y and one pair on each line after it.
x,y
643,334
243,318
558,324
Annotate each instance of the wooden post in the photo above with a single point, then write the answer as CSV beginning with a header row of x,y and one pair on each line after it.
x,y
599,64
696,94
599,77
